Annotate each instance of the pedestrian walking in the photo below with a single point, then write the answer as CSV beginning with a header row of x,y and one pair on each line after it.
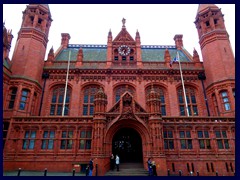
x,y
112,162
149,162
117,160
87,170
90,167
154,169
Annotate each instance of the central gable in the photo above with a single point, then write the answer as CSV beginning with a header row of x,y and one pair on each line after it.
x,y
123,35
127,105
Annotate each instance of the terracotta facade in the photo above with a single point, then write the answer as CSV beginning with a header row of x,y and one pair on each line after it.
x,y
122,87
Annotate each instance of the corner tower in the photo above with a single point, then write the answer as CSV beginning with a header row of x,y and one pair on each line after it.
x,y
218,59
30,49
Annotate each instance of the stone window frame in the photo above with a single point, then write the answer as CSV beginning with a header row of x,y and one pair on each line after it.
x,y
186,141
12,97
88,99
191,96
121,89
29,139
222,141
67,139
85,140
48,139
24,99
56,105
168,139
226,104
205,140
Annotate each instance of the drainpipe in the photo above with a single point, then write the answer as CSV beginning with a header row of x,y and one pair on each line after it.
x,y
201,76
45,76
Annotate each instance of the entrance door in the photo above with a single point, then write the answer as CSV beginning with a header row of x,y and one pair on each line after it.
x,y
127,144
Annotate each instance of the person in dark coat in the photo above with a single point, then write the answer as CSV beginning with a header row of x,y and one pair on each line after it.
x,y
154,169
87,170
112,162
90,167
149,162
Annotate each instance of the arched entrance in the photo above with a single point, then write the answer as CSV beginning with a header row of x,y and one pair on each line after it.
x,y
127,143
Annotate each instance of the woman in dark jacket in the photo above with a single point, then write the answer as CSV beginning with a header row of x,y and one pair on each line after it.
x,y
154,168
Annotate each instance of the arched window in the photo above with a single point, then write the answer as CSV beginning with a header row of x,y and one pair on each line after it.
x,y
24,99
161,92
225,100
88,100
191,101
57,101
12,97
121,90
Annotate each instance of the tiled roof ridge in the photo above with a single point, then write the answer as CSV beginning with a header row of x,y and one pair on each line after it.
x,y
104,46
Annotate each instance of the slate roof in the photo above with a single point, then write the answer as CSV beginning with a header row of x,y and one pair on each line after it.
x,y
150,53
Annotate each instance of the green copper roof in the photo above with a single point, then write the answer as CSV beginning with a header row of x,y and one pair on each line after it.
x,y
150,53
157,55
89,53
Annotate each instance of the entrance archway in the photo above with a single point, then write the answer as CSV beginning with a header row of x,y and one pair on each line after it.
x,y
127,143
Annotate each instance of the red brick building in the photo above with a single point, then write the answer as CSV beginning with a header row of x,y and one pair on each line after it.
x,y
121,98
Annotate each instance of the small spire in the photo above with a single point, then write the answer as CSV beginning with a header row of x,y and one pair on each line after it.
x,y
123,21
137,34
110,32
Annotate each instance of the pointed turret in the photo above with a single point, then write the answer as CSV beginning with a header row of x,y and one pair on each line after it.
x,y
153,102
138,49
109,48
51,55
167,57
195,56
100,102
204,7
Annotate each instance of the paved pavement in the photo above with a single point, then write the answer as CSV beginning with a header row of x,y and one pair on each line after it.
x,y
38,173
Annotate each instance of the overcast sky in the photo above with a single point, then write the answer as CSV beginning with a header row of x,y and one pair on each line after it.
x,y
90,24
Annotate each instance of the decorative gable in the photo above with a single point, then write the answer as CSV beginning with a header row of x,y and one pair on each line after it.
x,y
123,36
127,105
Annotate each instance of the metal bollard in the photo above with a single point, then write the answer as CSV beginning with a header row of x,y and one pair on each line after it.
x,y
168,172
180,173
197,173
73,172
45,172
19,171
216,173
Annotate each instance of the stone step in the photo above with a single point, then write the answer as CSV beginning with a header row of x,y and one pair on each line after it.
x,y
129,169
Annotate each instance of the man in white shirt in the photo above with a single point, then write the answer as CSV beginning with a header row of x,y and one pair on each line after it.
x,y
117,160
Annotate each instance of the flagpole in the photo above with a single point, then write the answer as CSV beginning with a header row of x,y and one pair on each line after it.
x,y
184,93
65,91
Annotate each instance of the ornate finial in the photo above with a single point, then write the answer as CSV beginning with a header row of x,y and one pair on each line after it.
x,y
123,21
